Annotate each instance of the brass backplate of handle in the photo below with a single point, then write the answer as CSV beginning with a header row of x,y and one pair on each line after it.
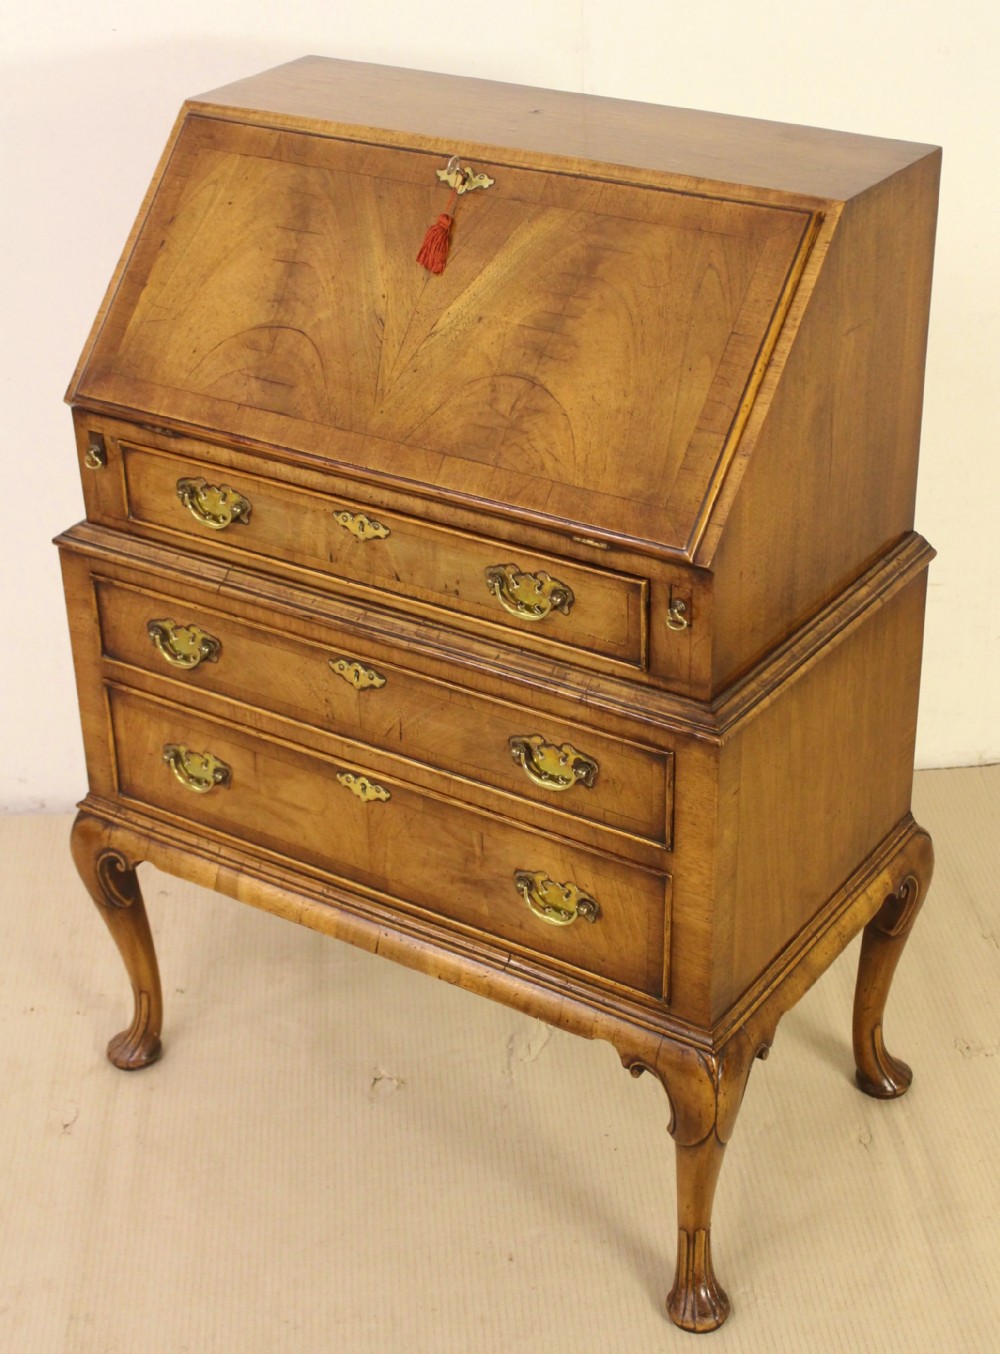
x,y
362,528
198,771
552,767
213,505
184,646
356,674
529,597
366,790
558,904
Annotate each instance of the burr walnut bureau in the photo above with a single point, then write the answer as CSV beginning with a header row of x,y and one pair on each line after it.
x,y
543,612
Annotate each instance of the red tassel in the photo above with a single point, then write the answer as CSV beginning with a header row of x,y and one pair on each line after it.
x,y
434,250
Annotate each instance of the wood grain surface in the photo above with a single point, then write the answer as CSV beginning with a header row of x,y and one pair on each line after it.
x,y
542,125
273,285
622,499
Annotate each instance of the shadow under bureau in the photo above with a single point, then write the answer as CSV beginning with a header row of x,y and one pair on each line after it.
x,y
544,613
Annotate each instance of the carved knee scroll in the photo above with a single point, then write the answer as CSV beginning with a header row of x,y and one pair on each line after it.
x,y
705,1093
110,878
878,1073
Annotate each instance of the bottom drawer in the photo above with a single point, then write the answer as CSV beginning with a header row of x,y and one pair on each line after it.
x,y
430,852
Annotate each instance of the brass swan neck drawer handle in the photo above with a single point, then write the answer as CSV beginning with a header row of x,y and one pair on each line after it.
x,y
551,767
198,771
213,505
361,527
184,646
366,790
356,674
558,904
530,597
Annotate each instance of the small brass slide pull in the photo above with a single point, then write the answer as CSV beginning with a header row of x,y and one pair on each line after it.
x,y
213,505
530,597
551,767
96,455
558,904
677,614
199,771
185,646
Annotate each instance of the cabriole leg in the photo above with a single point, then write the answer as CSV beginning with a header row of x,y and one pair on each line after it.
x,y
111,881
697,1301
705,1092
878,1072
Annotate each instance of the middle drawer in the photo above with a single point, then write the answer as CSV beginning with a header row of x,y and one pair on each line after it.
x,y
341,686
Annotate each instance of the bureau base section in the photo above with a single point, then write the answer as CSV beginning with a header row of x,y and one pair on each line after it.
x,y
704,1072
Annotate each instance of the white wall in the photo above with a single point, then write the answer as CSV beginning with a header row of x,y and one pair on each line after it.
x,y
90,92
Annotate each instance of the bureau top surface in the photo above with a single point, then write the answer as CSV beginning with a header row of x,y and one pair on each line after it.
x,y
435,108
591,353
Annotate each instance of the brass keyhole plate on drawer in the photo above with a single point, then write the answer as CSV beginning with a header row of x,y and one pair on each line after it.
x,y
361,527
366,790
356,674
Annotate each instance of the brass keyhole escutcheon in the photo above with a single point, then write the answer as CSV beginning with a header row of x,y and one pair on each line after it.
x,y
361,527
356,674
364,789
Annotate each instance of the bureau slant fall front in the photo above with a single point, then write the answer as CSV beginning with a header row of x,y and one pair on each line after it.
x,y
544,612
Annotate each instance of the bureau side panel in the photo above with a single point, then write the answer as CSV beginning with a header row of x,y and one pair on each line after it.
x,y
693,941
84,627
830,481
810,784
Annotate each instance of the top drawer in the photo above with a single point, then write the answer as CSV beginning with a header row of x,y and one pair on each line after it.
x,y
527,596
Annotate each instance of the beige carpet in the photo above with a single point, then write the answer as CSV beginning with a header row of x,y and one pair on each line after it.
x,y
336,1154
